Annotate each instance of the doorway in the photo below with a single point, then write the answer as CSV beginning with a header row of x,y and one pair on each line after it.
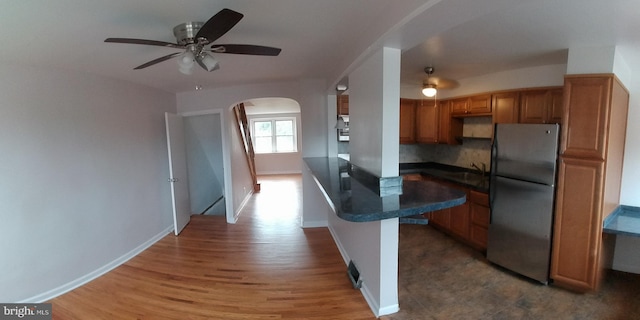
x,y
207,168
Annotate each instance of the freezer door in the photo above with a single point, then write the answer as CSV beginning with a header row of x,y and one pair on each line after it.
x,y
521,224
525,152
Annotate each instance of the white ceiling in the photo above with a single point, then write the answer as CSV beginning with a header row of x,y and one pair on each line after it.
x,y
319,38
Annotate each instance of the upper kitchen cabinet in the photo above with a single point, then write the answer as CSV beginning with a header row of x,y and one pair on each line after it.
x,y
590,103
554,112
505,107
459,106
426,121
472,106
541,106
343,104
449,128
407,121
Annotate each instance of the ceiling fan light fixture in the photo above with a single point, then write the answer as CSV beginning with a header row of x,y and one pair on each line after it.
x,y
207,62
186,63
429,90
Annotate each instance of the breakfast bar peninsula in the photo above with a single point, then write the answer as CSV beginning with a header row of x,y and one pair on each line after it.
x,y
363,213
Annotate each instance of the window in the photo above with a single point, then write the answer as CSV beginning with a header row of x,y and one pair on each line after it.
x,y
274,135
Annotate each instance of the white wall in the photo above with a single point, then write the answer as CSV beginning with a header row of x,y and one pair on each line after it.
x,y
203,144
280,163
374,95
308,93
630,193
84,164
374,113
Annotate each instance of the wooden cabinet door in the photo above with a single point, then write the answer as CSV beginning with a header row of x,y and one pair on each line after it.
x,y
578,224
449,128
441,218
407,121
586,102
460,220
343,104
444,122
459,106
426,122
480,104
554,110
541,106
533,106
505,107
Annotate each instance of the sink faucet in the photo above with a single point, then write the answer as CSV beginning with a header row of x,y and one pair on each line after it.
x,y
483,171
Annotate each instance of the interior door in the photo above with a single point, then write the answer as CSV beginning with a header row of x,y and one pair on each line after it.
x,y
178,172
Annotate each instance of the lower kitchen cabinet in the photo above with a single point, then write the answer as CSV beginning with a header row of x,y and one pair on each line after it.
x,y
578,223
460,220
467,222
480,215
440,218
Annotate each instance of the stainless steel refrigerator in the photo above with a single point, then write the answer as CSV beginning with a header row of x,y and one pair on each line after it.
x,y
521,195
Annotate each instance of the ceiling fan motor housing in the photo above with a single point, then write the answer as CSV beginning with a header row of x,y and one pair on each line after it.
x,y
185,33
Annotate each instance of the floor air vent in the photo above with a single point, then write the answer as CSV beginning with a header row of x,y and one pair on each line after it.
x,y
354,275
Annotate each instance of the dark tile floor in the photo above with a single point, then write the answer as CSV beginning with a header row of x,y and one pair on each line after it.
x,y
440,278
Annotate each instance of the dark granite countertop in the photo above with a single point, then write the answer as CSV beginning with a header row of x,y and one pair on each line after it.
x,y
625,220
354,201
463,176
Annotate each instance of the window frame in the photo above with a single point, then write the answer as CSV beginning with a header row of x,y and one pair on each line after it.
x,y
274,136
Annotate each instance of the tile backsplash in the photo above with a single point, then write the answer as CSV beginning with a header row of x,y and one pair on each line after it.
x,y
471,150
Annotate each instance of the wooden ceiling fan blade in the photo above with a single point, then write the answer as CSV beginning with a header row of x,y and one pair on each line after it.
x,y
144,42
219,24
152,62
246,49
447,83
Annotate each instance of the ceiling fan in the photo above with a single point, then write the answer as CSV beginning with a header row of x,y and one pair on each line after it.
x,y
431,84
195,37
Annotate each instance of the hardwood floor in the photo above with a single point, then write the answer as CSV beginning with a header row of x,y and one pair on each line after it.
x,y
263,267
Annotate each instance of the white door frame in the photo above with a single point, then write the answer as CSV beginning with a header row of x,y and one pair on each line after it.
x,y
226,159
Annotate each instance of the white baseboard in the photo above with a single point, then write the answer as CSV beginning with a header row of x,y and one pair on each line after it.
x,y
246,199
343,252
46,296
366,293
